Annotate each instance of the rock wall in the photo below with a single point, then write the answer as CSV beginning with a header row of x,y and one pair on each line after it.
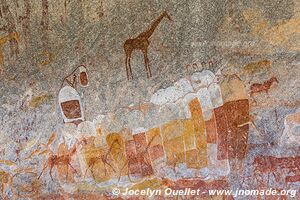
x,y
96,95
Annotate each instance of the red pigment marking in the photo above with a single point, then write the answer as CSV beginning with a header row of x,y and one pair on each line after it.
x,y
222,129
211,130
133,164
83,78
278,166
232,134
156,152
262,87
237,113
142,154
71,109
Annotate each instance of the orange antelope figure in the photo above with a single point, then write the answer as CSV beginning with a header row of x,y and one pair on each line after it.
x,y
56,159
262,87
104,158
141,42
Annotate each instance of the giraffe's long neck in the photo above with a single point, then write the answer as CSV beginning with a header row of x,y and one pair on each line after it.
x,y
153,26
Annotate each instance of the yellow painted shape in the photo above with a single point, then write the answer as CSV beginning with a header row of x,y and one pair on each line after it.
x,y
172,129
96,167
154,136
197,118
189,134
5,181
174,151
116,143
193,159
98,170
199,129
202,150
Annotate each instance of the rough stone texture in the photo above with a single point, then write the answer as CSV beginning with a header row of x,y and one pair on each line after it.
x,y
221,109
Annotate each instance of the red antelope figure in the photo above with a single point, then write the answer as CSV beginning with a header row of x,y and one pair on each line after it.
x,y
63,160
262,87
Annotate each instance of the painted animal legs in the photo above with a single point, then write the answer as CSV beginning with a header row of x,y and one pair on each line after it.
x,y
51,173
146,60
73,169
126,65
129,59
44,168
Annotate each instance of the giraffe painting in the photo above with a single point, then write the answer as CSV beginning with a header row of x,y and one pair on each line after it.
x,y
141,42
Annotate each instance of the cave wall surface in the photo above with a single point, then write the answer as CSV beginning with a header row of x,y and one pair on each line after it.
x,y
97,95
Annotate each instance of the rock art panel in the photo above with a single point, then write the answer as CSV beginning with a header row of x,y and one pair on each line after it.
x,y
219,108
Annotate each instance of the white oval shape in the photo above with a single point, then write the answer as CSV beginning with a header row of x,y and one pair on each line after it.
x,y
69,94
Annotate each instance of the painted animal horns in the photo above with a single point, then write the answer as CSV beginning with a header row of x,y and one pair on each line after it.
x,y
167,15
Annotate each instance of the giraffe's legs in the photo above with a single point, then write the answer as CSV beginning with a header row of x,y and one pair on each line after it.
x,y
146,60
150,74
126,65
129,65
